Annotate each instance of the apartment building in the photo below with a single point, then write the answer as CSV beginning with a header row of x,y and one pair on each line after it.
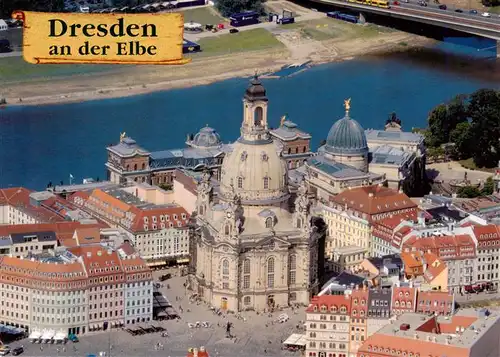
x,y
327,324
469,333
74,290
158,232
458,252
330,332
488,253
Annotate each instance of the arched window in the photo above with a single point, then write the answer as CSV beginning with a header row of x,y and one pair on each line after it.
x,y
201,210
269,222
226,229
246,274
266,183
143,166
292,269
289,150
128,167
270,273
225,267
258,116
299,223
240,182
135,167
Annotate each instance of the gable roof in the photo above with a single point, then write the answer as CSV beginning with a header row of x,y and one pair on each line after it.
x,y
374,199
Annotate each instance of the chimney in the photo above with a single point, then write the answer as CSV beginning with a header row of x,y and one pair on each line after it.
x,y
195,352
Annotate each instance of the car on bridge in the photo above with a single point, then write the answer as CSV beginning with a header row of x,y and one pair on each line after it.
x,y
473,12
485,14
459,10
422,3
442,7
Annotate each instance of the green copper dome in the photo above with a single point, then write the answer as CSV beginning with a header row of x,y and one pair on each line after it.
x,y
346,137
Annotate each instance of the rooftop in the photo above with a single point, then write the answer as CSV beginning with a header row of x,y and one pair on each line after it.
x,y
388,155
335,169
433,336
289,131
374,199
397,136
127,147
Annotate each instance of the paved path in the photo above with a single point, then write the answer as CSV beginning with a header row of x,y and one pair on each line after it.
x,y
449,171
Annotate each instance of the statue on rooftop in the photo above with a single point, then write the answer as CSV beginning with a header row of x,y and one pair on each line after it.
x,y
123,136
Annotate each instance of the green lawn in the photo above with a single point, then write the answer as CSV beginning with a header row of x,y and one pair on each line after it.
x,y
250,40
469,164
494,10
15,69
202,15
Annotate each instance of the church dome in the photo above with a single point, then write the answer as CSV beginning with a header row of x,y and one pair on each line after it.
x,y
206,137
256,173
347,137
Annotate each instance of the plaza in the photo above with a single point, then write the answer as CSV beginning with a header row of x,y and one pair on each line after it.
x,y
254,335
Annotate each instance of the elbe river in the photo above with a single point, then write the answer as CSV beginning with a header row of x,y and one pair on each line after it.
x,y
39,144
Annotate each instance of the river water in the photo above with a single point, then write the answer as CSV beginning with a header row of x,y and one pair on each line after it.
x,y
39,144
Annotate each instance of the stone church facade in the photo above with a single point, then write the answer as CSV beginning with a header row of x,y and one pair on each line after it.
x,y
254,247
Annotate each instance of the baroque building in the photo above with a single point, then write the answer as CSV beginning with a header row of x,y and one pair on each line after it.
x,y
253,245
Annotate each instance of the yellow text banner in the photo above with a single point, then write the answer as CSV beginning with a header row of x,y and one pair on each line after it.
x,y
102,38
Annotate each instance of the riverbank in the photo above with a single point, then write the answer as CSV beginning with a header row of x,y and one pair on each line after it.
x,y
129,81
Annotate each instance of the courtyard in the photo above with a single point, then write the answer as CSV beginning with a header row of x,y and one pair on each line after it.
x,y
252,334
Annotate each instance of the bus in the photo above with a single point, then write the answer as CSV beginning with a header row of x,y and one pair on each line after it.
x,y
244,19
380,3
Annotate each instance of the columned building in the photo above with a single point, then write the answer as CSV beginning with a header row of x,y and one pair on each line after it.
x,y
253,247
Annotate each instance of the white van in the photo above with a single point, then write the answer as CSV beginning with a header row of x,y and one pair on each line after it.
x,y
84,9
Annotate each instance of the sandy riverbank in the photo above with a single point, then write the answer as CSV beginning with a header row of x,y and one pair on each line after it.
x,y
128,81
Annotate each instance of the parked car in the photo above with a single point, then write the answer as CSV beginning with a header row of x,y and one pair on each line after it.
x,y
459,10
17,351
442,7
4,350
234,31
473,12
422,3
485,14
395,3
165,277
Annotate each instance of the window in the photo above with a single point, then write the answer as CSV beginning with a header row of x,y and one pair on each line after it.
x,y
246,274
269,222
225,274
259,116
270,273
247,300
292,269
266,183
240,182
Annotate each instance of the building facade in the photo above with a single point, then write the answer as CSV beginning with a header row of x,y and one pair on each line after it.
x,y
127,161
72,291
250,250
296,144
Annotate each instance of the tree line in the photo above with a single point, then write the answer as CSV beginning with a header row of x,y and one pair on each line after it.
x,y
468,126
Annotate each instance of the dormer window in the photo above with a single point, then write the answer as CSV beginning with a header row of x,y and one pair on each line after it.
x,y
175,217
154,219
183,216
146,220
162,218
240,182
167,217
269,222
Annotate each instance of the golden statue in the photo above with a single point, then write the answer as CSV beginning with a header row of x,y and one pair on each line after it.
x,y
347,105
123,136
283,119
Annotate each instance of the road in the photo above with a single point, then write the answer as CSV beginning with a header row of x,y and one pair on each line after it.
x,y
430,11
11,54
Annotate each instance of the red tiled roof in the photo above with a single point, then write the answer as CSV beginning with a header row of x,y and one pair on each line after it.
x,y
434,267
374,200
486,233
446,247
330,301
63,230
173,217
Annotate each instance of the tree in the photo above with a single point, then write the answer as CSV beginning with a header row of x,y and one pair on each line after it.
x,y
489,187
229,7
444,118
461,137
468,192
484,111
417,184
